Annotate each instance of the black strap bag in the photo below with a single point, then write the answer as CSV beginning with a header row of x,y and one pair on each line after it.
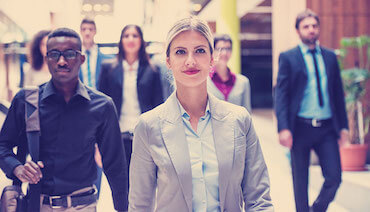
x,y
12,197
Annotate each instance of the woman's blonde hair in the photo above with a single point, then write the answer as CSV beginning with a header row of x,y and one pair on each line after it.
x,y
186,24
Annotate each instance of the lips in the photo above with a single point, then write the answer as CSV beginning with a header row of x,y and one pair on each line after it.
x,y
62,70
191,71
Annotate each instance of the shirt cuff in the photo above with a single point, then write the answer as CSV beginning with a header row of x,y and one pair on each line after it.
x,y
10,164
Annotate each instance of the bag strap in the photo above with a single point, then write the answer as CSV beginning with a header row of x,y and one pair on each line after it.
x,y
33,139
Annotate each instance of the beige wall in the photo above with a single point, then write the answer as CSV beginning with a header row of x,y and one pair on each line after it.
x,y
284,35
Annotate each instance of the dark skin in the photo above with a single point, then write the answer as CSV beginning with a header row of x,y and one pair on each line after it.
x,y
65,78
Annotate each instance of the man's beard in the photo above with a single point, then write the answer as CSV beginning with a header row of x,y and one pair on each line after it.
x,y
310,41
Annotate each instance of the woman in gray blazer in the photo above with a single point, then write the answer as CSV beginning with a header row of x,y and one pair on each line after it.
x,y
195,152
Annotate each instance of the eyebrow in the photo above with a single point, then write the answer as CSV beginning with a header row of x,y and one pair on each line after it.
x,y
180,47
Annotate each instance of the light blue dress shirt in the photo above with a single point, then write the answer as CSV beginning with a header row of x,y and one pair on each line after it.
x,y
204,164
310,107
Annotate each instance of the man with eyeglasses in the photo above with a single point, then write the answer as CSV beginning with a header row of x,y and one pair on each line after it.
x,y
73,117
224,84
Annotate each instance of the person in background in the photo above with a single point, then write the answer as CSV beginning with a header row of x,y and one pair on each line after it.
x,y
89,73
310,111
196,152
73,117
224,84
90,70
132,81
38,73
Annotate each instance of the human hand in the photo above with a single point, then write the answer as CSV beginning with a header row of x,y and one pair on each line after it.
x,y
97,157
286,138
344,137
30,172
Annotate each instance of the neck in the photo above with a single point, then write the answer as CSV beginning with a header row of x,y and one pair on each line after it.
x,y
194,99
131,58
67,89
222,71
88,46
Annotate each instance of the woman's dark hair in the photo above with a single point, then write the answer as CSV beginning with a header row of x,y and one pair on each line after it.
x,y
143,55
35,56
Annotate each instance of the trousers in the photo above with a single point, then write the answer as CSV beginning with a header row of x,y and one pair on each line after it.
x,y
323,140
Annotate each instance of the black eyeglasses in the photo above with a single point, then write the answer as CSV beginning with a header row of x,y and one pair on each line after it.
x,y
67,54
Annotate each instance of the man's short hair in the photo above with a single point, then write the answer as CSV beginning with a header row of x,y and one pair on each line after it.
x,y
222,37
66,32
305,14
88,21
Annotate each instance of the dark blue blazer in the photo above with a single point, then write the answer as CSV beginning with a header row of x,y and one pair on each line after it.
x,y
292,81
99,60
149,87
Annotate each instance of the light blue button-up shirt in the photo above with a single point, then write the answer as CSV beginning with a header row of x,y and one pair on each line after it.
x,y
310,107
204,164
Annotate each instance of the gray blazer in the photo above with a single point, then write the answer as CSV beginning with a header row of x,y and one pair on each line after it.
x,y
160,170
240,94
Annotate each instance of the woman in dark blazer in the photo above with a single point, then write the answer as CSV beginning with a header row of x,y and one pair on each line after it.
x,y
132,82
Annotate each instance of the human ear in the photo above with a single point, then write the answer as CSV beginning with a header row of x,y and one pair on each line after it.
x,y
168,62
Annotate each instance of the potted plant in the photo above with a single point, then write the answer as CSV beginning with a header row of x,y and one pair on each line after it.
x,y
353,154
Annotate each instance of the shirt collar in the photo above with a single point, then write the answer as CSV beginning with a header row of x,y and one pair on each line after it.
x,y
185,114
214,76
134,66
93,49
50,90
305,49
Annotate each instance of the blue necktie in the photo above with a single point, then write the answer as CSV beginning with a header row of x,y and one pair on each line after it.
x,y
89,83
313,52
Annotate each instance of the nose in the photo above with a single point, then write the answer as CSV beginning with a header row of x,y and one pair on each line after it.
x,y
62,61
190,60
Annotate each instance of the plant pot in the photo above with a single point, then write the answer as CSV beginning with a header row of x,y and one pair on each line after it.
x,y
353,157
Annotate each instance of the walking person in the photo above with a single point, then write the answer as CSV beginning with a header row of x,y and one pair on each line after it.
x,y
132,82
311,112
196,152
73,117
89,74
225,85
38,73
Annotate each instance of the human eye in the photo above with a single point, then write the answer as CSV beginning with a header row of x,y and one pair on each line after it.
x,y
70,54
180,51
53,55
200,50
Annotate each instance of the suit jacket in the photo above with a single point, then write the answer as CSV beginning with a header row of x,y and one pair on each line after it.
x,y
148,85
292,81
240,93
161,160
99,60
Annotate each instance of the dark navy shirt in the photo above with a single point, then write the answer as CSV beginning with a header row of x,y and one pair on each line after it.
x,y
69,132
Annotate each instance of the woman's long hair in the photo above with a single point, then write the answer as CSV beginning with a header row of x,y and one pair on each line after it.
x,y
35,56
142,55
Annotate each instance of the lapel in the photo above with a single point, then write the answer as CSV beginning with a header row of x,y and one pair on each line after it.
x,y
97,68
175,141
118,72
326,62
301,62
140,72
223,135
